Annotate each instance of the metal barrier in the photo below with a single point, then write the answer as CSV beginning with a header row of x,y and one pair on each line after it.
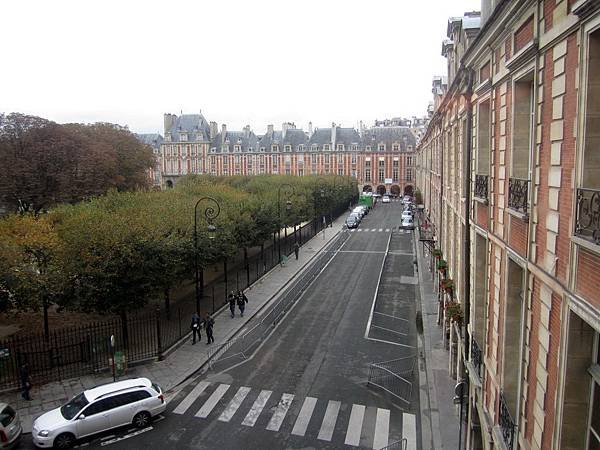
x,y
242,346
402,444
394,377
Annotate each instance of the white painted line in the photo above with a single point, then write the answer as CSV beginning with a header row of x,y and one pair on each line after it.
x,y
304,416
280,412
104,438
374,229
380,230
191,397
234,404
382,428
328,425
359,229
387,230
126,436
389,342
355,425
159,418
257,408
212,401
409,430
387,249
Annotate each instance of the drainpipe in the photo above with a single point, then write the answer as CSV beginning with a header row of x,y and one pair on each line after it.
x,y
467,243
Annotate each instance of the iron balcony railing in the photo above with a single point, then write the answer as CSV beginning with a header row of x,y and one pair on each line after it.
x,y
517,194
507,424
481,186
476,356
587,221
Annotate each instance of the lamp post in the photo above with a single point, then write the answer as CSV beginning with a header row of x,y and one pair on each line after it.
x,y
320,194
289,191
211,212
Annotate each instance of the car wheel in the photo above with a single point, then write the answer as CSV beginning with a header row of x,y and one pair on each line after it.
x,y
65,440
141,420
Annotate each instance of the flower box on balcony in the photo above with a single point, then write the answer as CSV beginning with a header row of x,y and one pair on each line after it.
x,y
448,285
454,312
437,253
442,265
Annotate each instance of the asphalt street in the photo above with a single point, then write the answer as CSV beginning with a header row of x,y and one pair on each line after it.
x,y
306,385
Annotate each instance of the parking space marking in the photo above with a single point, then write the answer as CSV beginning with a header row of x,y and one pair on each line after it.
x,y
126,436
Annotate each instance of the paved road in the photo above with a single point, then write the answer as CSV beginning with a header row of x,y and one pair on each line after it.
x,y
305,387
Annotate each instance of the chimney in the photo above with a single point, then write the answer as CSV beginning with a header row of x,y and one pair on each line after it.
x,y
169,121
284,127
310,129
214,130
247,131
223,132
270,130
333,133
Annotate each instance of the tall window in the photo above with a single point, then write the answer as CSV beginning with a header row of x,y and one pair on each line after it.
x,y
483,138
326,147
353,158
523,111
275,148
396,147
409,174
395,170
381,171
381,147
340,147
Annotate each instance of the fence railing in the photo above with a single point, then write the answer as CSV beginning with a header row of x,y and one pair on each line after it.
x,y
506,422
394,377
402,444
140,336
517,194
587,220
476,357
481,186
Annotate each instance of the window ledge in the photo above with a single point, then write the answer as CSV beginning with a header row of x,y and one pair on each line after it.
x,y
498,439
586,244
523,55
475,380
517,214
484,86
584,8
483,201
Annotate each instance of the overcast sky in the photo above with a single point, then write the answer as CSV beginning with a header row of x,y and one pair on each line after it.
x,y
238,61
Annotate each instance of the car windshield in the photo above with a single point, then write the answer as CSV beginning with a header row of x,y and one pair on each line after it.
x,y
71,409
6,416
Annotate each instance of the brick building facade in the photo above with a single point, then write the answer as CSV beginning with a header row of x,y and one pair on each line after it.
x,y
509,172
381,158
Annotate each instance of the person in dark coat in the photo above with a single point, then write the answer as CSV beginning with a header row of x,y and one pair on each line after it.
x,y
208,325
231,299
25,381
195,326
240,302
296,250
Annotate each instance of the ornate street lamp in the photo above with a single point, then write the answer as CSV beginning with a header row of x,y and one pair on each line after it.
x,y
211,212
288,192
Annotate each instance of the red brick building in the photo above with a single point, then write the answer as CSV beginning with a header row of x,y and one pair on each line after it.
x,y
381,158
509,171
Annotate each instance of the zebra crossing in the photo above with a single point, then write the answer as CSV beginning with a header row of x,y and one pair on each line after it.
x,y
367,230
226,404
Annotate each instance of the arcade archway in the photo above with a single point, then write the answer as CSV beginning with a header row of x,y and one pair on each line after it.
x,y
381,189
395,190
367,188
408,190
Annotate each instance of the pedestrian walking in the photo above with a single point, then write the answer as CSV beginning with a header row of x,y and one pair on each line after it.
x,y
25,381
195,327
296,250
231,299
208,325
240,302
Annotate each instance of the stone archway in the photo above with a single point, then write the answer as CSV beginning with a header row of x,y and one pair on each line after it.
x,y
367,188
169,184
381,189
408,190
395,190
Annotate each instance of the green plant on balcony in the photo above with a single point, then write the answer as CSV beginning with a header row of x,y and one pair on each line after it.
x,y
448,285
454,312
442,265
437,253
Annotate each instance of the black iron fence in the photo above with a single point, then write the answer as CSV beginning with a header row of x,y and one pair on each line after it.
x,y
481,186
476,357
140,336
506,422
587,220
517,194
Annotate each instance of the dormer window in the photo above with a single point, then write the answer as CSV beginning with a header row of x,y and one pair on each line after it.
x,y
287,148
213,150
227,140
354,147
168,137
225,149
340,147
250,149
381,147
262,149
314,147
275,148
326,147
368,148
301,148
237,148
396,147
183,137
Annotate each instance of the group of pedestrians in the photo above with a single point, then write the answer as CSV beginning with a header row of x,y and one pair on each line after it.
x,y
238,298
197,323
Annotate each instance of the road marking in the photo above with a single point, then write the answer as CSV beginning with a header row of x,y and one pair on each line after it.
x,y
191,397
126,436
282,408
359,230
387,230
387,249
355,425
382,428
234,404
304,416
374,229
328,425
380,230
409,430
212,401
257,408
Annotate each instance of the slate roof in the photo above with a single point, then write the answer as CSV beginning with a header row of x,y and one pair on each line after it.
x,y
245,140
347,136
195,125
388,136
152,139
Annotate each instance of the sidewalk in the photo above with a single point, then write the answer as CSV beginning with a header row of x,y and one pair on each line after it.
x,y
439,415
183,362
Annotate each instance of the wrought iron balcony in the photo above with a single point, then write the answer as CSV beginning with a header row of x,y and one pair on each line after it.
x,y
481,186
587,221
517,194
476,357
506,422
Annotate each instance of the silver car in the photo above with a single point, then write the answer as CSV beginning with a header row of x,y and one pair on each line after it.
x,y
10,427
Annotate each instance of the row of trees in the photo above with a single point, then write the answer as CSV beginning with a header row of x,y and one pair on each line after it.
x,y
117,252
44,163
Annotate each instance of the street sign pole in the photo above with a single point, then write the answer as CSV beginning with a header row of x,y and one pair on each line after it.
x,y
112,350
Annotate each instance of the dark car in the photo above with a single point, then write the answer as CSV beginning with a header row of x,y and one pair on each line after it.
x,y
352,222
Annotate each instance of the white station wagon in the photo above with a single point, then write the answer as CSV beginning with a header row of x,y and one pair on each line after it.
x,y
98,409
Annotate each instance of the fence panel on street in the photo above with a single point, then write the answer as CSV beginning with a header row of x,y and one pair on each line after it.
x,y
395,377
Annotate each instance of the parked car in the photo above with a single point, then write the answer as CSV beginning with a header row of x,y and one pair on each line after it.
x,y
406,199
352,222
360,211
386,199
407,223
111,405
407,214
355,215
10,427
